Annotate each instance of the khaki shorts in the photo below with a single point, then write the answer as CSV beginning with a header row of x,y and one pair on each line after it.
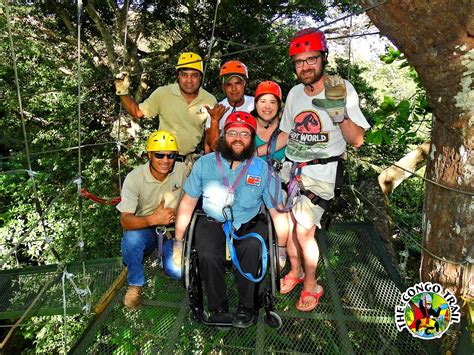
x,y
306,213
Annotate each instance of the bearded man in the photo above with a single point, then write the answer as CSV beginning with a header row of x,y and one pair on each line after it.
x,y
231,179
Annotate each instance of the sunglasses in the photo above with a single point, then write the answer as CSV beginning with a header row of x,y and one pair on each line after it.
x,y
162,156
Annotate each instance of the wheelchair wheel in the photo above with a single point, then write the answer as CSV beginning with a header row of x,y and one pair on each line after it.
x,y
273,257
188,246
272,319
195,292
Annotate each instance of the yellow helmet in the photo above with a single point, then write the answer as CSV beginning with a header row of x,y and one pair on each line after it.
x,y
190,60
161,141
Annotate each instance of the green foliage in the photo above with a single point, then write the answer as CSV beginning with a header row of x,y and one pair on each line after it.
x,y
400,124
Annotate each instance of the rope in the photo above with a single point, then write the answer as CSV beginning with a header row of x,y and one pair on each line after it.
x,y
350,45
68,149
250,48
78,181
30,171
64,314
118,145
212,41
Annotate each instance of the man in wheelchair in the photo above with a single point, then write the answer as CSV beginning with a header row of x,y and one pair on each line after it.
x,y
233,185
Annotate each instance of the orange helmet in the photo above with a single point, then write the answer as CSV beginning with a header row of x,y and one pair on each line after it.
x,y
307,40
235,67
241,119
269,87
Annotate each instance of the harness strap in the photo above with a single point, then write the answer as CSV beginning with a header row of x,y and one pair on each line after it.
x,y
296,181
274,167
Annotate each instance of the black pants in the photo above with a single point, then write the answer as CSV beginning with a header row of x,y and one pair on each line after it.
x,y
210,244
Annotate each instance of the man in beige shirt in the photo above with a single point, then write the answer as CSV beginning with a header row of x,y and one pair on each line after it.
x,y
183,108
150,197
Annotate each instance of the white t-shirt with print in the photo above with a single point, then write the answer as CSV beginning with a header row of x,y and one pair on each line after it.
x,y
312,133
247,106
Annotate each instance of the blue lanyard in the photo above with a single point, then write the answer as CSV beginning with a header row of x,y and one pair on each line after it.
x,y
229,229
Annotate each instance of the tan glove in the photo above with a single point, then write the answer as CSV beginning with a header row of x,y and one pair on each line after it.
x,y
335,101
122,83
177,252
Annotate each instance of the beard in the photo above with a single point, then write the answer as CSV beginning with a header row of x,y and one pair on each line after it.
x,y
317,75
228,153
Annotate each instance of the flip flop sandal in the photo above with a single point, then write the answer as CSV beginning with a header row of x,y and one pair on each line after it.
x,y
303,296
294,281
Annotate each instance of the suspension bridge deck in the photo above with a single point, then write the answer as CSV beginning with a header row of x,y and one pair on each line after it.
x,y
355,315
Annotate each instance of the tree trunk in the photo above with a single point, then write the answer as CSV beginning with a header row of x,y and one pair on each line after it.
x,y
437,38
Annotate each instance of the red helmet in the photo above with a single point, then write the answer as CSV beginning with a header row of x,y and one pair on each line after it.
x,y
269,87
307,40
241,119
234,67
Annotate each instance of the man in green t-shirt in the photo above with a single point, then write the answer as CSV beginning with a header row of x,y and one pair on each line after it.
x,y
183,108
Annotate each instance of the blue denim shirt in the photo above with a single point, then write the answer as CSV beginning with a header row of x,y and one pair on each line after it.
x,y
206,180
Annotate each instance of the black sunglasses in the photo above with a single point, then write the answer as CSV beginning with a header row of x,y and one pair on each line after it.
x,y
162,156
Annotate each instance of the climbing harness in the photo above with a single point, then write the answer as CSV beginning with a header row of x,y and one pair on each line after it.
x,y
161,233
230,235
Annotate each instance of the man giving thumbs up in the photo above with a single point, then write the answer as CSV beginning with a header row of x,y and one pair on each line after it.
x,y
150,197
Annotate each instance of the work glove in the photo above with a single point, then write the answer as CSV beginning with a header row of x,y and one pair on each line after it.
x,y
177,252
335,101
122,83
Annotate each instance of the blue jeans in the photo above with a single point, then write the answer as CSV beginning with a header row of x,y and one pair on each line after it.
x,y
140,242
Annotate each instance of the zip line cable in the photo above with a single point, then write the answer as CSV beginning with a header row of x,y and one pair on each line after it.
x,y
349,54
65,150
250,48
78,181
118,145
205,59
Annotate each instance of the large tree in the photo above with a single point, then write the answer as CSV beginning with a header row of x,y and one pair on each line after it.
x,y
437,38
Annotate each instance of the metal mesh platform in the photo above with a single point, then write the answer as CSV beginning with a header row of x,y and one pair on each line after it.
x,y
355,315
18,288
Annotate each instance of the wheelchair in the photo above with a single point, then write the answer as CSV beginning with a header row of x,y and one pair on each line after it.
x,y
192,280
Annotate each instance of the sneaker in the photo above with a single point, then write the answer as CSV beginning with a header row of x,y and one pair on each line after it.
x,y
133,297
221,316
244,318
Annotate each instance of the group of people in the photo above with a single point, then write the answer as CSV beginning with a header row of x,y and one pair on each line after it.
x,y
242,136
